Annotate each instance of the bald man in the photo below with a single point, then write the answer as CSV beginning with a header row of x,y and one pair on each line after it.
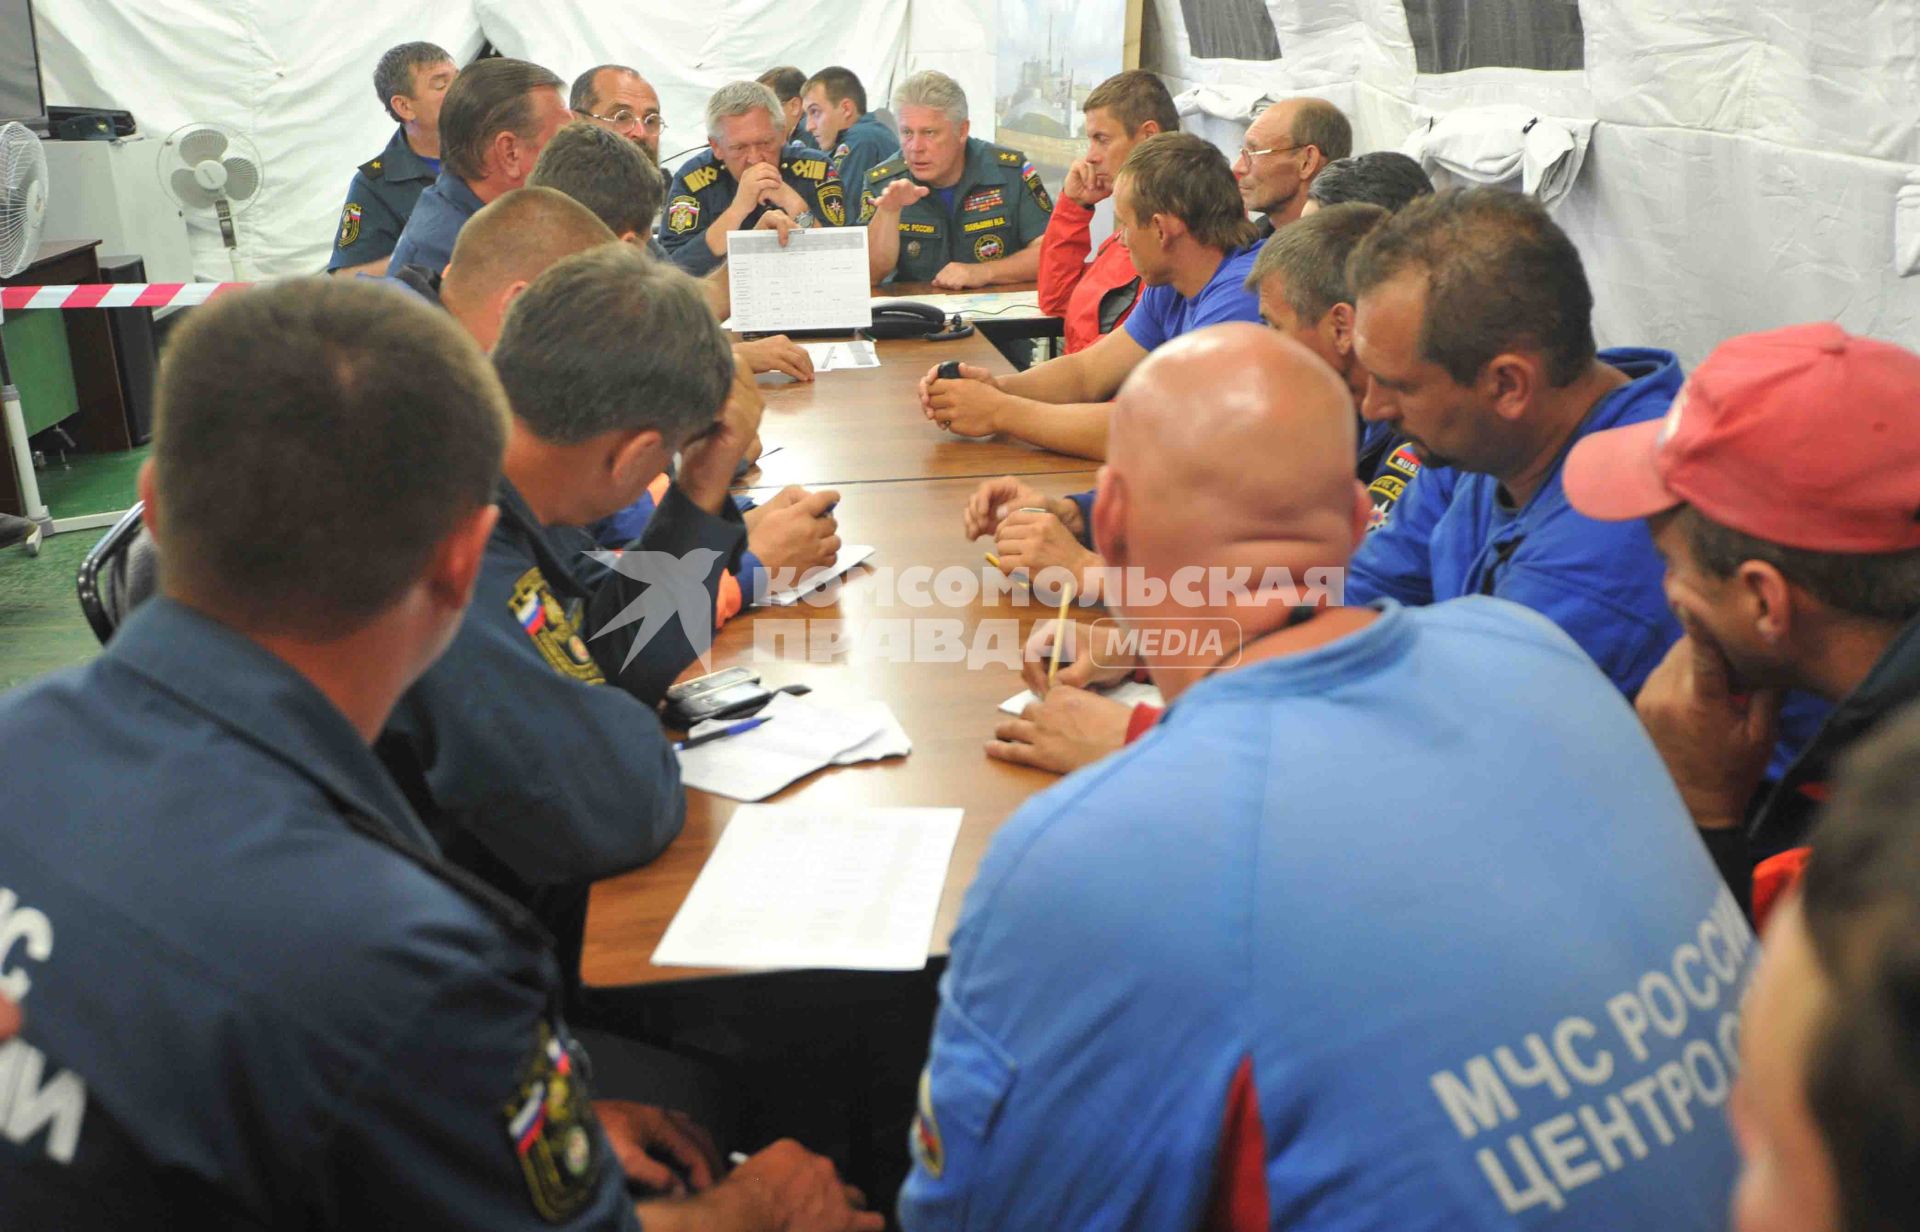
x,y
1286,147
1235,977
516,242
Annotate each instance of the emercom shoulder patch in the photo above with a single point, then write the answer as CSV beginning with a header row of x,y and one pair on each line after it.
x,y
549,1122
544,620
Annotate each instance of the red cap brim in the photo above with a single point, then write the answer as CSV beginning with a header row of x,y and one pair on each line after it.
x,y
1611,476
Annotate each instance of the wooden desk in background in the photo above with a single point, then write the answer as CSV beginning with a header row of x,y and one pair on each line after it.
x,y
864,425
829,434
101,422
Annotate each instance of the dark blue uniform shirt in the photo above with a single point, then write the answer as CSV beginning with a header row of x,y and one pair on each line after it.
x,y
704,188
863,145
255,997
531,748
437,218
379,201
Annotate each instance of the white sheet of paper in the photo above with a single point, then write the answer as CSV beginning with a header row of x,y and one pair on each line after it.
x,y
793,886
1132,692
804,736
889,741
832,356
850,554
818,281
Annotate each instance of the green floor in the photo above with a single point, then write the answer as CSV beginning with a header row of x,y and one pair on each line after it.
x,y
41,627
91,483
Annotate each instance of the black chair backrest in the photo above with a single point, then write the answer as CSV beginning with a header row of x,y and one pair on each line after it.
x,y
117,574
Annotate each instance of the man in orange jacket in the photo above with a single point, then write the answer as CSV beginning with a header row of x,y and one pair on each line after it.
x,y
1094,297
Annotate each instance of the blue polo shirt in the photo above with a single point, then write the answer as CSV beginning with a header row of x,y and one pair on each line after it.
x,y
1235,976
1454,534
1163,313
435,223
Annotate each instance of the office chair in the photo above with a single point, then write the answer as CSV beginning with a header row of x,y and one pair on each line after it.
x,y
117,574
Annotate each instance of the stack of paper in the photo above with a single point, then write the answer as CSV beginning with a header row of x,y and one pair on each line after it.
x,y
850,554
804,736
817,280
1133,693
828,356
796,887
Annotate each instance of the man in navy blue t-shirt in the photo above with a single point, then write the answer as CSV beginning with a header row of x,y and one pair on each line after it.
x,y
1178,211
1236,978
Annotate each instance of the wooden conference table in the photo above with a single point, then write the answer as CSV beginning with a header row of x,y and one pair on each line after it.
x,y
902,482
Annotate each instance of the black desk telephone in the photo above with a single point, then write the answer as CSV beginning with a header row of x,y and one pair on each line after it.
x,y
897,318
908,318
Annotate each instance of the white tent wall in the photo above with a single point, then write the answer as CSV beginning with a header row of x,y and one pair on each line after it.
x,y
1746,169
1746,166
688,52
297,78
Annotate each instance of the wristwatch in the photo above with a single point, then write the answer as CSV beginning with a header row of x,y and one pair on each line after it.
x,y
805,220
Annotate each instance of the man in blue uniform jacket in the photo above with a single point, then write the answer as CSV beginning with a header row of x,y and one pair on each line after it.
x,y
854,138
256,997
497,117
745,179
1234,978
412,81
531,748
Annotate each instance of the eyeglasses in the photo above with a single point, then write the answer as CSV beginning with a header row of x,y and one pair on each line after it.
x,y
624,119
1250,155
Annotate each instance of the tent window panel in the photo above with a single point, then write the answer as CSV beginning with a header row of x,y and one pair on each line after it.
x,y
1230,29
1451,35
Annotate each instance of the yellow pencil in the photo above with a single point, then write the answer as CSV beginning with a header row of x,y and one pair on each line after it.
x,y
995,562
1059,632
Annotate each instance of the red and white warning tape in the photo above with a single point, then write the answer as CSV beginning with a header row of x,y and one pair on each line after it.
x,y
114,295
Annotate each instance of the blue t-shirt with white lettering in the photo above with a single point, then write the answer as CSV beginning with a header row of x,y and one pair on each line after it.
x,y
1238,976
1163,313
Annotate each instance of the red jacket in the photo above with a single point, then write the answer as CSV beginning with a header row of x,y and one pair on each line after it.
x,y
1071,287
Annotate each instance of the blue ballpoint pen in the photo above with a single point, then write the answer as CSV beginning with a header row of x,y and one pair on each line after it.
x,y
745,725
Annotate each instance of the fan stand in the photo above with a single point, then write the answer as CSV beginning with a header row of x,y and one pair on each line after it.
x,y
228,236
30,502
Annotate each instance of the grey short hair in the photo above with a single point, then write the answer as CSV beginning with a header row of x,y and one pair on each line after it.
x,y
1311,254
609,340
932,88
737,98
394,74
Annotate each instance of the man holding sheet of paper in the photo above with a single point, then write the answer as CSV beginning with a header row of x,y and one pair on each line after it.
x,y
745,180
1208,982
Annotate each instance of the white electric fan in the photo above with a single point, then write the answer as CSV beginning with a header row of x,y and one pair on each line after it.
x,y
215,170
23,207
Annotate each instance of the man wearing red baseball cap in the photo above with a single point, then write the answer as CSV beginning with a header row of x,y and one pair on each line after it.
x,y
1783,491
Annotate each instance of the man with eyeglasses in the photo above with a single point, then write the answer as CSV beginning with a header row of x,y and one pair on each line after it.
x,y
617,97
1286,146
746,179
